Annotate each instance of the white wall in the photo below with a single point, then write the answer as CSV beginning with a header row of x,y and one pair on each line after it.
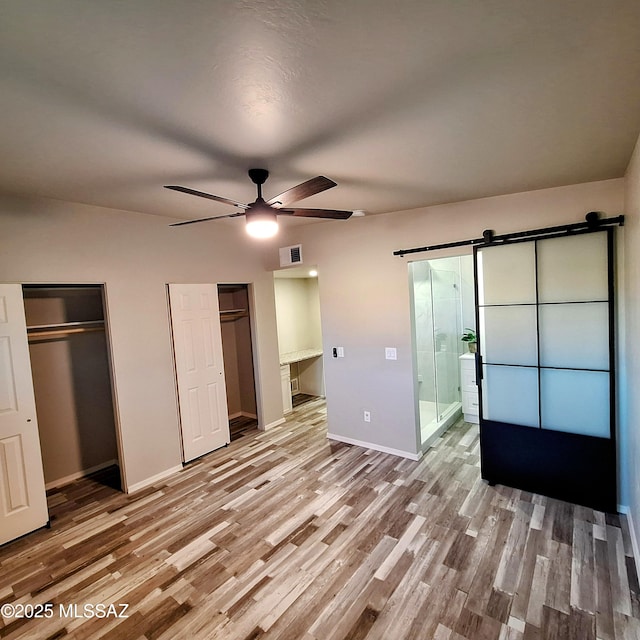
x,y
630,414
364,295
136,255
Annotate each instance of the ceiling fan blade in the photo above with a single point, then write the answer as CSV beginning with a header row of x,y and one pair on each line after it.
x,y
229,215
210,196
334,214
303,190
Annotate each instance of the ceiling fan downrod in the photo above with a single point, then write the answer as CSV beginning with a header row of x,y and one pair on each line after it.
x,y
258,177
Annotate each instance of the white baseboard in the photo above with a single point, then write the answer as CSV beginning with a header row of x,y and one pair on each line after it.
x,y
143,484
375,447
243,414
271,425
80,474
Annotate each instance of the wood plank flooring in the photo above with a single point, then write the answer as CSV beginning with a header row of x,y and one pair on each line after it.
x,y
287,535
240,426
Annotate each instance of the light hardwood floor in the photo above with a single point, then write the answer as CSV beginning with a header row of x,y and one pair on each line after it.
x,y
286,535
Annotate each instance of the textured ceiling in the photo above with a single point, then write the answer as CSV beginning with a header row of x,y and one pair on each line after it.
x,y
404,104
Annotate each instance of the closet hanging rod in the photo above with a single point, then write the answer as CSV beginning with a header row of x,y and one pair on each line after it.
x,y
62,332
231,316
66,325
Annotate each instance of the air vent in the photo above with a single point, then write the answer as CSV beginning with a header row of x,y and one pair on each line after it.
x,y
291,255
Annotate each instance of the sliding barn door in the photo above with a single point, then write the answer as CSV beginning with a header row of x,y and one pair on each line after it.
x,y
197,341
545,364
23,502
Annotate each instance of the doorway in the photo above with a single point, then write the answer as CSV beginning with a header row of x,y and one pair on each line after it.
x,y
442,300
237,349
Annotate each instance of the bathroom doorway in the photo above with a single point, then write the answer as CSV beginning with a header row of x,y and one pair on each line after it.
x,y
442,293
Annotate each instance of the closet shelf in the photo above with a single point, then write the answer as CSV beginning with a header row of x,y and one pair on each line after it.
x,y
63,328
228,315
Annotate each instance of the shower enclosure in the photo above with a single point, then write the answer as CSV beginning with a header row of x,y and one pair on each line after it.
x,y
442,295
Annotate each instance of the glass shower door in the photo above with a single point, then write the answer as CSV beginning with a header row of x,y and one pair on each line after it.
x,y
445,294
437,327
424,343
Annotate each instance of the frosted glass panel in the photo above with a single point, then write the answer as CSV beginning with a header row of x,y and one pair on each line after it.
x,y
506,274
573,268
508,335
575,335
510,394
575,401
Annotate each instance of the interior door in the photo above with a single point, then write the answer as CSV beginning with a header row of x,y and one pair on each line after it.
x,y
23,501
545,313
197,342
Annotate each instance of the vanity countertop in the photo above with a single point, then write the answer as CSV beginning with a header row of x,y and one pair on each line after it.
x,y
298,356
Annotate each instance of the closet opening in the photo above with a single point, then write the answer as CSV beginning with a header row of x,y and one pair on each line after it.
x,y
237,349
72,380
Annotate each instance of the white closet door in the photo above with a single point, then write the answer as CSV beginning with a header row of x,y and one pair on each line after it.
x,y
23,501
197,341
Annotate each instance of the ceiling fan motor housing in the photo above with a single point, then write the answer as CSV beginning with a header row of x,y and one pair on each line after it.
x,y
258,176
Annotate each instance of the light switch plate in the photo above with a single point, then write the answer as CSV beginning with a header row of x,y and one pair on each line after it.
x,y
340,352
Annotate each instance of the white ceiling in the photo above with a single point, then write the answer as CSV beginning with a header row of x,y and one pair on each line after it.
x,y
404,104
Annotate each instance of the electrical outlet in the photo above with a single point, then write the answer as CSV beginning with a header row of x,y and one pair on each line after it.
x,y
340,351
390,353
367,416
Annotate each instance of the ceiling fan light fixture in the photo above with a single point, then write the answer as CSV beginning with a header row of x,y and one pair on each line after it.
x,y
261,216
262,223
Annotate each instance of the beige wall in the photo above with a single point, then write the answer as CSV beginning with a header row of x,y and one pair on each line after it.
x,y
364,295
298,314
135,255
630,414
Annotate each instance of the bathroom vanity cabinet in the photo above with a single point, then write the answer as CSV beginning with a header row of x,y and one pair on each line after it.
x,y
469,388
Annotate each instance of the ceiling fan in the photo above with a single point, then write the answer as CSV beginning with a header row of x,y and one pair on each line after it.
x,y
262,215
